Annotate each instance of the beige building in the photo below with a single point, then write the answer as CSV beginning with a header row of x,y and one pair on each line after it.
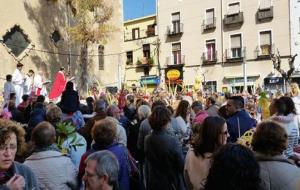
x,y
141,43
34,33
223,41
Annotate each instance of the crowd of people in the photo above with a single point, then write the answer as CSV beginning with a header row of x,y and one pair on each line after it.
x,y
132,140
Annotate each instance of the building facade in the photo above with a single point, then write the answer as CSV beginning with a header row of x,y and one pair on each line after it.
x,y
295,30
35,33
141,45
223,41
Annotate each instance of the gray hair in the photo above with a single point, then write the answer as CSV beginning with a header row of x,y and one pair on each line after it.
x,y
144,111
107,165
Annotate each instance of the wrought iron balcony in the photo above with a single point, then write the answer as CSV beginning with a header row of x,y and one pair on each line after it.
x,y
145,62
180,60
264,51
234,54
265,14
234,19
209,58
175,29
209,24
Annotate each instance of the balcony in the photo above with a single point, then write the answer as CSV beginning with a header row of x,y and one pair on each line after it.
x,y
145,62
263,52
209,24
150,32
175,29
209,58
264,14
234,19
234,55
178,61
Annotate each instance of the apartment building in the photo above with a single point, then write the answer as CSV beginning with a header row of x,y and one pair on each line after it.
x,y
35,33
141,44
223,41
295,30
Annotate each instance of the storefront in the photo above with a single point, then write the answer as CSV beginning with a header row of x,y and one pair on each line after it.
x,y
149,82
235,84
274,84
174,76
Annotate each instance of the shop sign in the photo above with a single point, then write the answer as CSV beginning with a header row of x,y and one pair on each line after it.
x,y
173,74
149,80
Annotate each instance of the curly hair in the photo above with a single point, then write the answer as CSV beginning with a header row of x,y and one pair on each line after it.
x,y
234,168
270,138
104,132
207,140
6,128
159,118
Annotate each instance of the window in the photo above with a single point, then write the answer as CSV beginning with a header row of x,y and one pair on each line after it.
x,y
264,4
299,25
176,22
265,42
16,40
135,33
176,52
233,8
146,50
150,30
236,46
101,57
210,14
210,50
129,56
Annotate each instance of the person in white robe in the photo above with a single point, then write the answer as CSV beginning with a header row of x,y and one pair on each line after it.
x,y
28,84
8,89
18,80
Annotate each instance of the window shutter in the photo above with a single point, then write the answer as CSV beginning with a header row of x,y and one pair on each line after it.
x,y
265,38
236,41
176,47
175,16
233,8
210,16
265,4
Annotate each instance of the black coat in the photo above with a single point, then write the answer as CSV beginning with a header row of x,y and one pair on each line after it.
x,y
164,162
69,101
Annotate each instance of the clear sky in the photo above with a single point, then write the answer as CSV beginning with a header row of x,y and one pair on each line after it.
x,y
138,8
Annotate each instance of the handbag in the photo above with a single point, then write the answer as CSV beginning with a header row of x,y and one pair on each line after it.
x,y
135,181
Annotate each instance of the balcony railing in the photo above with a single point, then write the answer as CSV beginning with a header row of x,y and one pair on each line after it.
x,y
264,14
175,61
150,32
145,62
234,54
175,29
234,19
264,51
209,24
209,58
144,33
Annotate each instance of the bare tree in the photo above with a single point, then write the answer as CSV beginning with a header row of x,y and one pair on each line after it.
x,y
276,59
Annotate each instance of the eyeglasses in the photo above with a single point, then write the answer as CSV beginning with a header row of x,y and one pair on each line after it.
x,y
12,147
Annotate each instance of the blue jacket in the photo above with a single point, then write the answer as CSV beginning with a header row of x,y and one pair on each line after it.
x,y
246,123
25,171
121,154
